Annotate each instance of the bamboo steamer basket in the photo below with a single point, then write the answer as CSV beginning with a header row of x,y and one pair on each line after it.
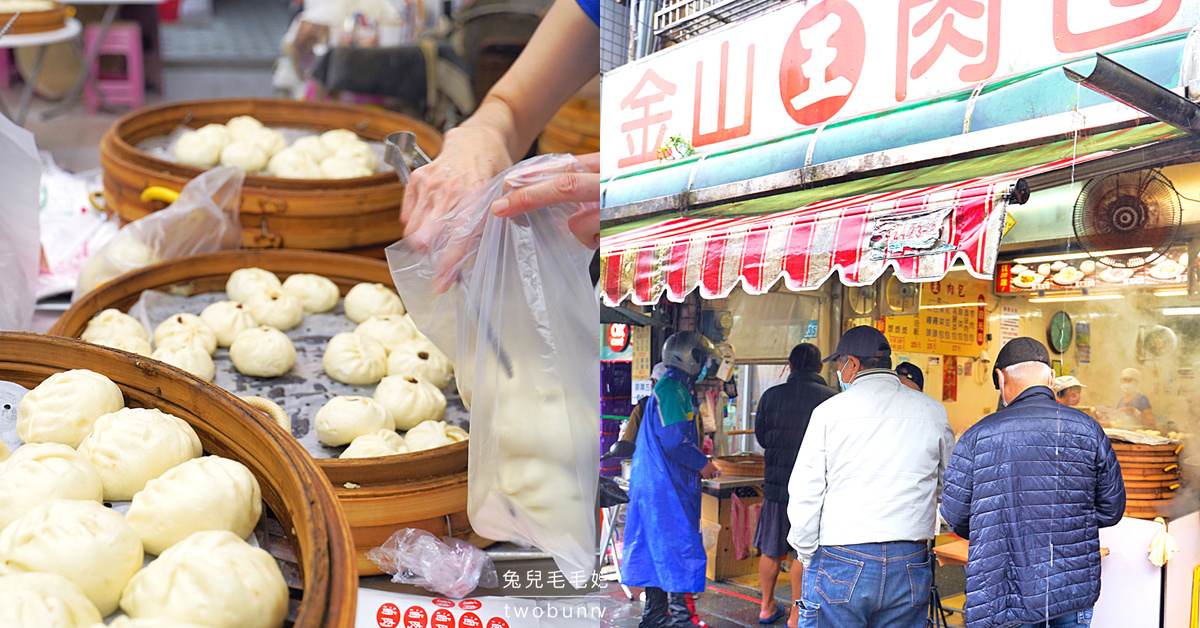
x,y
291,485
749,465
50,19
425,489
1151,476
359,215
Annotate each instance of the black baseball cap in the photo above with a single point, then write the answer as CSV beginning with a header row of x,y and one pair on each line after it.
x,y
863,341
1018,350
913,372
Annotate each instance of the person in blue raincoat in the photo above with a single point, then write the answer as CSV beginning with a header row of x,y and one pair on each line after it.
x,y
664,551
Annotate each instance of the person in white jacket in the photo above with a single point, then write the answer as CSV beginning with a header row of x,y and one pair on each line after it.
x,y
864,491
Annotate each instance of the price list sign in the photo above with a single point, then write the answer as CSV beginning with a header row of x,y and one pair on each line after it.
x,y
951,320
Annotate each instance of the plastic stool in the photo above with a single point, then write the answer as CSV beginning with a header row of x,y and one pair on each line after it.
x,y
124,39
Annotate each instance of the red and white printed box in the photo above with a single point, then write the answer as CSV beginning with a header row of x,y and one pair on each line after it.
x,y
384,609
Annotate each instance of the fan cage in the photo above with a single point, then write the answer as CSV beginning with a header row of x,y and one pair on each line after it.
x,y
1139,209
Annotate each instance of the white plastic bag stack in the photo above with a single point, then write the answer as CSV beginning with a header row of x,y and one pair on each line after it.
x,y
521,323
20,250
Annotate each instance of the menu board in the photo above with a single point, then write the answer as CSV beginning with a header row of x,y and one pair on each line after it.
x,y
951,320
1075,274
639,340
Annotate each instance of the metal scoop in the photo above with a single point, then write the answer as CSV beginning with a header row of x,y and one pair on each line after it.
x,y
403,153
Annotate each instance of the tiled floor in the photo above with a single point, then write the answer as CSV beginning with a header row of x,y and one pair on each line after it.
x,y
242,33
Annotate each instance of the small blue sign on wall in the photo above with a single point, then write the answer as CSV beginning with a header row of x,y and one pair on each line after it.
x,y
811,332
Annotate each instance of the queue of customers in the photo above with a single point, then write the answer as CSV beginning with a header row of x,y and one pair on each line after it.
x,y
852,488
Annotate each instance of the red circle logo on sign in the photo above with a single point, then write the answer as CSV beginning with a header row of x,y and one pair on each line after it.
x,y
415,617
444,603
618,337
496,622
470,620
442,618
388,616
822,61
470,605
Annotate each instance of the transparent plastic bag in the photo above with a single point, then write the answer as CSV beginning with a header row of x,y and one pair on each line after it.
x,y
449,566
204,219
19,232
521,323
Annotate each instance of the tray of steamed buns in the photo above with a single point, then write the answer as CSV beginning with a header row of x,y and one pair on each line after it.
x,y
132,494
354,375
371,399
289,153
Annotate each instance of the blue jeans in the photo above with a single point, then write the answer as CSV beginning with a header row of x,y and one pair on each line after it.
x,y
868,584
1077,619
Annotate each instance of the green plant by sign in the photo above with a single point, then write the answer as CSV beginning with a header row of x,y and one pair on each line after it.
x,y
675,148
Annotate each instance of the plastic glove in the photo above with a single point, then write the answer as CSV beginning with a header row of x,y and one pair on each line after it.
x,y
579,183
470,157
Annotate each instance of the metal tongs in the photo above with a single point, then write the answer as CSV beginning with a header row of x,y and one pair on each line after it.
x,y
403,154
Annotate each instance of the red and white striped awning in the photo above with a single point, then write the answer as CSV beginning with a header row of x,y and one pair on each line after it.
x,y
920,233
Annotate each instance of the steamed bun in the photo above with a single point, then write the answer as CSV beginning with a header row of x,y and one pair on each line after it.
x,y
240,126
244,154
44,600
40,472
410,401
382,443
344,167
113,322
433,434
343,419
371,299
276,308
262,352
125,343
82,541
132,446
211,578
63,408
314,292
197,149
185,329
421,359
244,283
190,357
389,330
354,359
209,493
290,163
227,319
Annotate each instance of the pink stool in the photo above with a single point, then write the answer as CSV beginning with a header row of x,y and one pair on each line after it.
x,y
124,39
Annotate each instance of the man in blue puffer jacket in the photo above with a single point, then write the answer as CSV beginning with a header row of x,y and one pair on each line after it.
x,y
1030,486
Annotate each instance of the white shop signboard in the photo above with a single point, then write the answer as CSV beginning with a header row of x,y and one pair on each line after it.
x,y
810,62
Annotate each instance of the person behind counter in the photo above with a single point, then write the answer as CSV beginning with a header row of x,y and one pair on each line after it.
x,y
1133,402
863,493
911,376
1029,486
664,551
1067,390
779,426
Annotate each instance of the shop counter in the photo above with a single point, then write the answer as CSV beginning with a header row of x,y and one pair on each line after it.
x,y
731,503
